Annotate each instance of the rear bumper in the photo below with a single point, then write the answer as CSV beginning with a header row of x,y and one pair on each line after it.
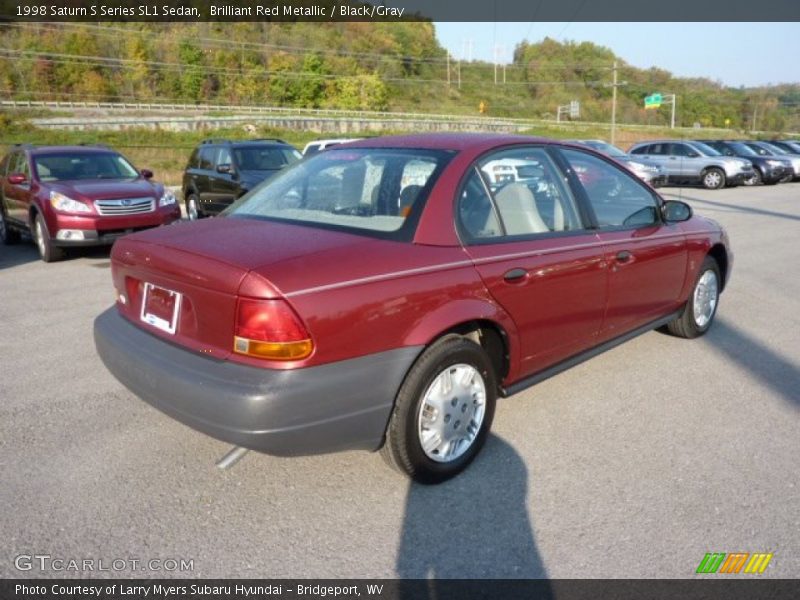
x,y
339,406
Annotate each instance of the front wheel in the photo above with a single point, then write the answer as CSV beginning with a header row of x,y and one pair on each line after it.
x,y
48,251
714,179
756,179
192,210
443,411
701,308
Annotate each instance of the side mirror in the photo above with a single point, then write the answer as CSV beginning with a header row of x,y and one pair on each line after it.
x,y
17,179
675,211
225,168
146,173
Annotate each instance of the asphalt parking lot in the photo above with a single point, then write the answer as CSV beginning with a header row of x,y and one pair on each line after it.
x,y
634,464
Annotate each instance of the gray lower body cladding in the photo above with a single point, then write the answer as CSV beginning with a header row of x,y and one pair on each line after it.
x,y
338,406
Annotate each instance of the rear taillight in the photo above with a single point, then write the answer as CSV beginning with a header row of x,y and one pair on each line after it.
x,y
270,329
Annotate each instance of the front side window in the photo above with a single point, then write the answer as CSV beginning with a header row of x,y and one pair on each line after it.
x,y
18,163
646,149
618,199
207,158
375,190
223,156
65,166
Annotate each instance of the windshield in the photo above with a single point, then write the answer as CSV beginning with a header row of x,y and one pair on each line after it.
x,y
265,158
68,166
743,149
706,149
774,149
605,148
377,190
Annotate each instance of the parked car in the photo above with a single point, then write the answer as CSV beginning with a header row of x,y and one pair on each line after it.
x,y
767,149
318,314
316,146
648,171
766,169
67,196
220,171
693,163
790,146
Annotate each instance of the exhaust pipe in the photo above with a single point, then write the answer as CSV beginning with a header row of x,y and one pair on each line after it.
x,y
233,456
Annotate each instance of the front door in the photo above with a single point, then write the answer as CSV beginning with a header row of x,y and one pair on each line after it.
x,y
646,257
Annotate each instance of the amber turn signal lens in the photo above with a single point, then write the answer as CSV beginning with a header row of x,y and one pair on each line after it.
x,y
273,350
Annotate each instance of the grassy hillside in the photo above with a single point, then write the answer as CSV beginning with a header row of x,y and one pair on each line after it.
x,y
375,66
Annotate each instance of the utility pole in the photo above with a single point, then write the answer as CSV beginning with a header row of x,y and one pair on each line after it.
x,y
448,67
614,85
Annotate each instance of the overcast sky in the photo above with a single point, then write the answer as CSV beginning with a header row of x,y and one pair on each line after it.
x,y
735,53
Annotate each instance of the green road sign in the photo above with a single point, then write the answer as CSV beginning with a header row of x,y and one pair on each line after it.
x,y
653,101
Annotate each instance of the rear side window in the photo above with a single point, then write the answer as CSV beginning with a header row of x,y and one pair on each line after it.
x,y
617,198
525,191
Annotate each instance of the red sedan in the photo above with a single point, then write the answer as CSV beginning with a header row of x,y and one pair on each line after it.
x,y
68,196
383,295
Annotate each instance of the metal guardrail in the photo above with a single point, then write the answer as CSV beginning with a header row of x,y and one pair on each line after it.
x,y
342,113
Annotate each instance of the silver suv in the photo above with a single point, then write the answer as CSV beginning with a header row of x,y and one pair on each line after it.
x,y
695,162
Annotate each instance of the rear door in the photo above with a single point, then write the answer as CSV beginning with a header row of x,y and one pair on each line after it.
x,y
529,244
647,258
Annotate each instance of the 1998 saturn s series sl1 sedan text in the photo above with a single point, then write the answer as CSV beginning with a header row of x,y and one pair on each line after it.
x,y
383,294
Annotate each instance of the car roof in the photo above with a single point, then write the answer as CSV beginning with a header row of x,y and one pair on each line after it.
x,y
257,142
82,149
448,141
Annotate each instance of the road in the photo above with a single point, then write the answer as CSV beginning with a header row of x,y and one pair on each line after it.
x,y
634,464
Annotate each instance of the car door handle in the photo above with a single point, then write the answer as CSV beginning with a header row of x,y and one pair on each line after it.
x,y
515,275
623,256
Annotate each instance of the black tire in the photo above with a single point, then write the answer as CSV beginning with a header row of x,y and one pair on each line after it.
x,y
756,179
196,213
687,325
48,251
402,448
713,178
8,235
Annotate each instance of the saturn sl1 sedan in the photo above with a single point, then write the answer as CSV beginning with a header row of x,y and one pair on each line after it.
x,y
383,295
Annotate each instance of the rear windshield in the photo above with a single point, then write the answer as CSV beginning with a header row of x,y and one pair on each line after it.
x,y
265,158
378,191
67,166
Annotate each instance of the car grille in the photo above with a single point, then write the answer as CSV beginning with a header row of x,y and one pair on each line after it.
x,y
125,206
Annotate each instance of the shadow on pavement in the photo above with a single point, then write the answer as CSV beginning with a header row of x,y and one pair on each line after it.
x,y
474,526
18,254
764,363
734,207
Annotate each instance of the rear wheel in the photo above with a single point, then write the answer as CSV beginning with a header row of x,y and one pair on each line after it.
x,y
714,179
8,235
443,411
699,312
48,251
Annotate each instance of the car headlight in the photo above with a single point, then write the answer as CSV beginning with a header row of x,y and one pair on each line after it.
x,y
66,204
775,163
167,199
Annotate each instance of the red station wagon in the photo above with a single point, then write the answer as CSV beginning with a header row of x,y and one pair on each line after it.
x,y
69,196
383,295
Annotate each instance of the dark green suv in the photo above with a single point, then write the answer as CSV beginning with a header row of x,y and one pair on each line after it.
x,y
220,171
